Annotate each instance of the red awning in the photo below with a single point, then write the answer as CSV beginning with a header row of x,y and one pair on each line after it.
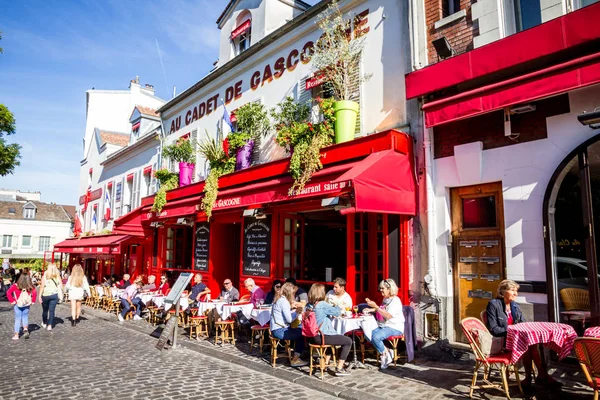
x,y
110,184
383,182
148,170
130,177
135,126
106,244
572,30
177,208
130,223
570,75
241,29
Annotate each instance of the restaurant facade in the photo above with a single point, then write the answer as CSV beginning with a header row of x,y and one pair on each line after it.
x,y
510,140
354,218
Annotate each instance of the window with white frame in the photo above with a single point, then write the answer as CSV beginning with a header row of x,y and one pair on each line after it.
x,y
528,14
583,3
26,241
6,240
29,212
44,243
450,7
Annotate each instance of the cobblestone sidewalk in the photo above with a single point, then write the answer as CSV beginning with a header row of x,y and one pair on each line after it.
x,y
428,378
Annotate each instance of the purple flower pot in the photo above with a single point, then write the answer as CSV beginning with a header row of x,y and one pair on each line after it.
x,y
243,158
186,173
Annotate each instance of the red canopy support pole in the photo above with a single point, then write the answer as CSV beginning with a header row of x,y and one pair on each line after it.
x,y
350,266
404,259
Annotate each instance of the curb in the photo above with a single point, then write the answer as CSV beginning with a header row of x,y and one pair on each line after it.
x,y
304,380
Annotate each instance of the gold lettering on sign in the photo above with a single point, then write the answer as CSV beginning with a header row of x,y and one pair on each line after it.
x,y
567,243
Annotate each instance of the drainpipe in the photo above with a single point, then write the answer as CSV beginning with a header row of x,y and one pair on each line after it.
x,y
431,226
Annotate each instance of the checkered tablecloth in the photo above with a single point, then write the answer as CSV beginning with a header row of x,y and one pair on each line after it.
x,y
594,332
557,337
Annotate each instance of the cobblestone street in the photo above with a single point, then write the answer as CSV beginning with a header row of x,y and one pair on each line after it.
x,y
102,359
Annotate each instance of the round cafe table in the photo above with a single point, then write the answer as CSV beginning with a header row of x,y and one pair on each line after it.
x,y
367,323
261,315
557,337
204,306
594,332
228,309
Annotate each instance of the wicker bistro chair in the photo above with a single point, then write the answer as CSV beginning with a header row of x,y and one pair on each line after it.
x,y
587,350
321,350
198,326
244,298
500,361
275,343
575,299
225,331
259,332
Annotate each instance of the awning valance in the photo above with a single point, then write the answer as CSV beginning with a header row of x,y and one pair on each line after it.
x,y
243,27
105,244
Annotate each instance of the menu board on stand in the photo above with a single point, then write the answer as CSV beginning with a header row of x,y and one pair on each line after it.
x,y
202,246
257,247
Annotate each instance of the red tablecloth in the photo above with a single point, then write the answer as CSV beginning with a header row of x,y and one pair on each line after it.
x,y
594,331
558,337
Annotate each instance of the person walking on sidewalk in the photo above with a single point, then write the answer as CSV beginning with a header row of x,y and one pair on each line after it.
x,y
77,285
22,295
50,295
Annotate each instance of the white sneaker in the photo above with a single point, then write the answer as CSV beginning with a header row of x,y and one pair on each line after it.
x,y
49,327
44,325
121,319
390,355
384,361
137,318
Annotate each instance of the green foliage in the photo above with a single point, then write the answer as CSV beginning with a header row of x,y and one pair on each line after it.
x,y
337,54
237,140
10,154
180,151
303,138
168,181
34,264
220,164
253,120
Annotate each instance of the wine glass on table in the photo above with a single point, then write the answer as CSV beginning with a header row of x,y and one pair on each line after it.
x,y
355,309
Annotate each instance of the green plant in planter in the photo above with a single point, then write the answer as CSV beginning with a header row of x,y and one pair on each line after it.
x,y
168,181
220,164
303,138
336,56
252,123
180,151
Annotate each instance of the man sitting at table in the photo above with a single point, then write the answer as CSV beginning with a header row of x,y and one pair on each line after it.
x,y
338,296
504,311
229,293
256,293
151,286
199,289
125,283
301,295
129,298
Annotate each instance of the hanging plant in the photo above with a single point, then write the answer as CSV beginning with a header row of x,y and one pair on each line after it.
x,y
303,138
220,163
168,181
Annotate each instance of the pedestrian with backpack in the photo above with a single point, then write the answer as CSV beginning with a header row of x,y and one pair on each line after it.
x,y
316,325
22,295
50,295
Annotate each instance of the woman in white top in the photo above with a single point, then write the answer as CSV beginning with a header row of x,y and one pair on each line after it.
x,y
390,319
51,285
77,285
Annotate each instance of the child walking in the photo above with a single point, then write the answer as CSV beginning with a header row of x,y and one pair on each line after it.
x,y
21,295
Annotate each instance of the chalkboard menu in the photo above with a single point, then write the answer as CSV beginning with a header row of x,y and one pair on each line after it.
x,y
201,246
257,246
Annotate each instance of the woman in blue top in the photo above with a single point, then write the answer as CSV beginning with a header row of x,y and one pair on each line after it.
x,y
323,312
281,321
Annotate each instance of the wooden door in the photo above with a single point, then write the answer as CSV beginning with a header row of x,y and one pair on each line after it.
x,y
478,249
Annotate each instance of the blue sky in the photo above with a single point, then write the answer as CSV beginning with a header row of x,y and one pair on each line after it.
x,y
55,50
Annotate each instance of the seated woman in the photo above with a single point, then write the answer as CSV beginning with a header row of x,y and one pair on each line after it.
x,y
281,321
323,311
163,288
504,311
274,290
390,319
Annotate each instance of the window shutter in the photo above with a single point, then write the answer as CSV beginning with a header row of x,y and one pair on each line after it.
x,y
304,96
15,241
257,142
355,94
153,180
194,139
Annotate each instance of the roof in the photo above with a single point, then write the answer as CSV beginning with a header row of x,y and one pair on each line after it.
x,y
232,3
252,50
116,138
45,211
71,210
147,111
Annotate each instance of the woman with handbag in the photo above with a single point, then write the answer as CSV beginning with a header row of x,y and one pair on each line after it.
x,y
21,295
283,322
77,285
51,294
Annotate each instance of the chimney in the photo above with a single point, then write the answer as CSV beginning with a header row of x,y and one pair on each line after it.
x,y
148,88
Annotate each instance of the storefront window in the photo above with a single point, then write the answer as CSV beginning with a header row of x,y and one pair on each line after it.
x,y
361,252
178,248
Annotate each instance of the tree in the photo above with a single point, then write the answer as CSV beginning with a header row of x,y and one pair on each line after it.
x,y
9,153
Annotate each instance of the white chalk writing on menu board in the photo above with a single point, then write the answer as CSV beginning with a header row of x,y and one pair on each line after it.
x,y
257,247
202,246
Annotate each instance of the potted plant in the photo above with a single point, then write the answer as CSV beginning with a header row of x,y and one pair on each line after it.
x,y
220,162
183,152
336,56
304,139
252,123
168,181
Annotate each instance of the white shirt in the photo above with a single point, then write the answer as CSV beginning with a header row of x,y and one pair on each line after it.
x,y
394,307
344,302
